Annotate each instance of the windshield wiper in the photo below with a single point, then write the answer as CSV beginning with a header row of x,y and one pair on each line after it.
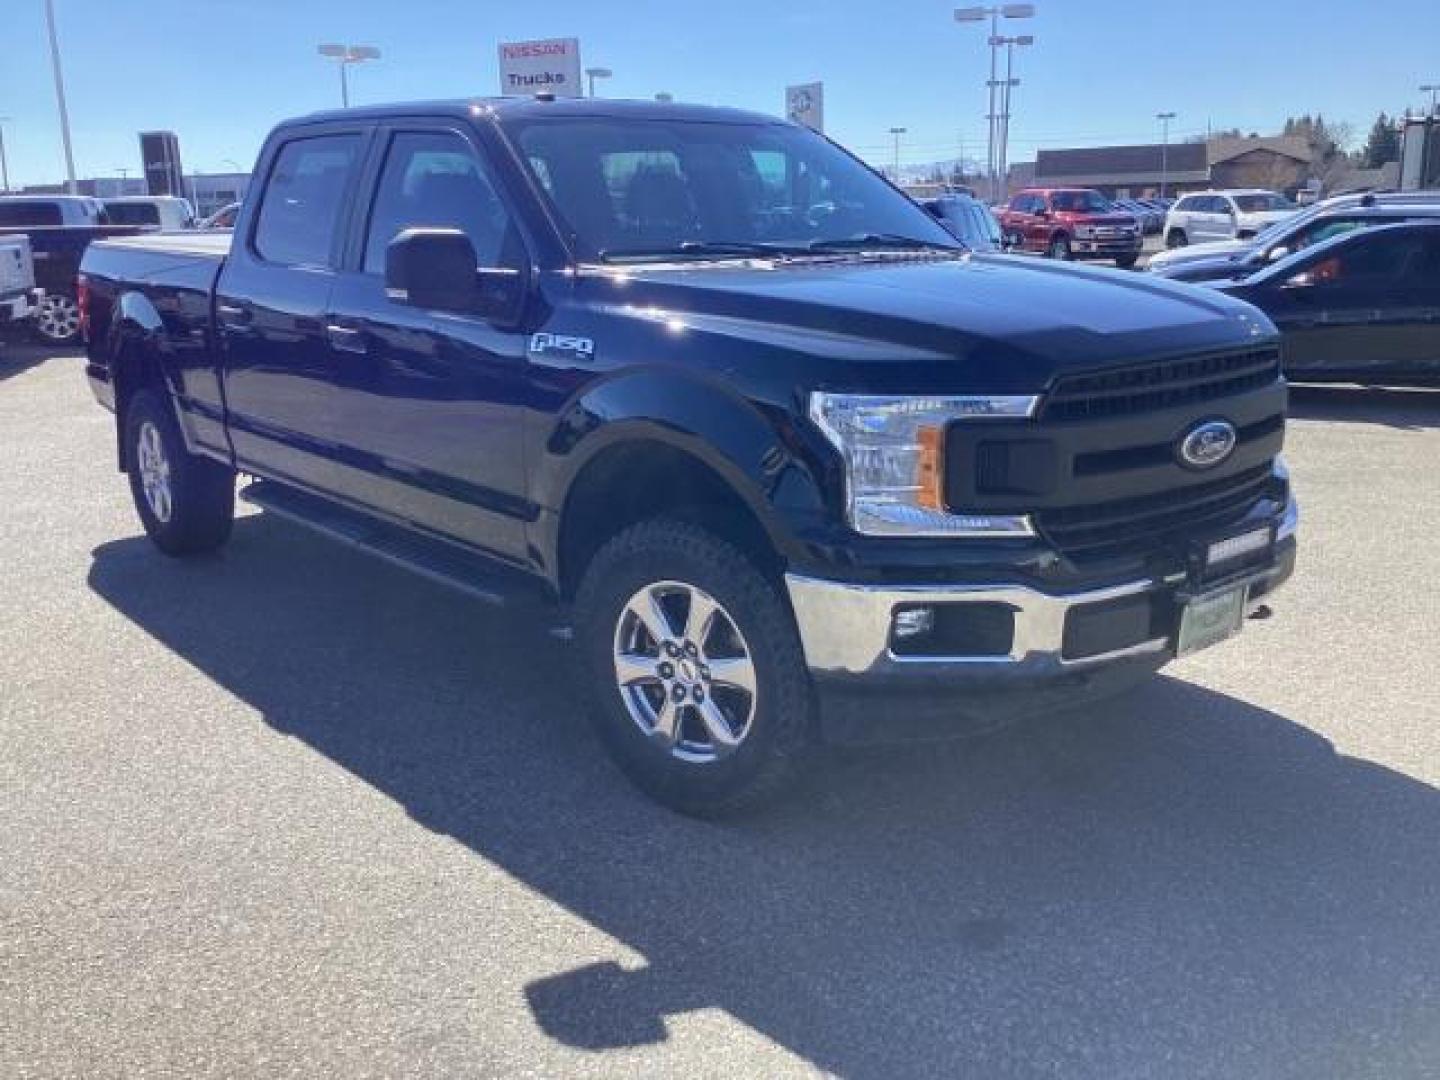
x,y
701,249
880,240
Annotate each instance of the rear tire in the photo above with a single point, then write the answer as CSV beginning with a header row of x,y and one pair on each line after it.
x,y
1176,238
57,320
672,624
185,502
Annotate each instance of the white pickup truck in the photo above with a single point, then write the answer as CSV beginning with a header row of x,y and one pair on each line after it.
x,y
18,295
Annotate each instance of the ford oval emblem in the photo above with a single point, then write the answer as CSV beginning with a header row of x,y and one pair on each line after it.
x,y
1208,444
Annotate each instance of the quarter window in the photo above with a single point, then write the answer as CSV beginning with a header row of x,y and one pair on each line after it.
x,y
304,199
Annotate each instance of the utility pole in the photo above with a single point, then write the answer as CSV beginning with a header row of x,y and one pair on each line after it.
x,y
4,165
895,133
60,97
1023,40
1164,118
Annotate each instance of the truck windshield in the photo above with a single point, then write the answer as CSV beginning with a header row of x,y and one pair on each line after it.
x,y
652,189
1080,202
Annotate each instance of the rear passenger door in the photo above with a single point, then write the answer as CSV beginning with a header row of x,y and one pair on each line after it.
x,y
432,401
270,307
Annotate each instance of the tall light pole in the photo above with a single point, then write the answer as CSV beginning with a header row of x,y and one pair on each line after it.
x,y
60,97
1433,89
1024,41
994,14
596,73
1164,118
344,56
4,165
895,133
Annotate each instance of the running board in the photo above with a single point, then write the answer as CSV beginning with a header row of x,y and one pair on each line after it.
x,y
475,575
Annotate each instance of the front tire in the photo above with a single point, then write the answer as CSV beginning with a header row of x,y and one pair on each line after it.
x,y
1127,262
1176,238
690,657
185,502
1059,247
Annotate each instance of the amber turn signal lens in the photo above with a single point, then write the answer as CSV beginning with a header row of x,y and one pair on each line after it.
x,y
929,468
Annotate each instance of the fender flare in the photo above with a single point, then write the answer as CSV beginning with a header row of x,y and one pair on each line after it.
x,y
686,411
133,342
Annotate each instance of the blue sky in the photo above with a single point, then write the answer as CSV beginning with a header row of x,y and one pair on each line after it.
x,y
220,72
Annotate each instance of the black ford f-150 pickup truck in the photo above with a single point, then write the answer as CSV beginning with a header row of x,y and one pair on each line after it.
x,y
788,460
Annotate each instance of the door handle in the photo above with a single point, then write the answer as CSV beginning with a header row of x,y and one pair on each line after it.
x,y
236,318
344,338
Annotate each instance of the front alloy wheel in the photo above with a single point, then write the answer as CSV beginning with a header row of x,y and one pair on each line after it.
x,y
693,668
684,671
58,319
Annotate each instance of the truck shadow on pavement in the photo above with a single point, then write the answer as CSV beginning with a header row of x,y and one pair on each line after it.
x,y
1397,407
1176,884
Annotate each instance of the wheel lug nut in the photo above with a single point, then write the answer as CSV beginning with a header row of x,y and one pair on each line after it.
x,y
699,693
679,693
671,649
666,669
690,649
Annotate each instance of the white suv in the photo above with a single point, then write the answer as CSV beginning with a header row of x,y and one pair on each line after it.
x,y
1224,215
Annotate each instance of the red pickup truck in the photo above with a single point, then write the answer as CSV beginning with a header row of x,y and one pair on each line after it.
x,y
1071,223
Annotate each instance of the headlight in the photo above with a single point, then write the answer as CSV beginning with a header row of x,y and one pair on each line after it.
x,y
894,451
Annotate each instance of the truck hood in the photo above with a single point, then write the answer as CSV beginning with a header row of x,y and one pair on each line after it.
x,y
999,319
1191,252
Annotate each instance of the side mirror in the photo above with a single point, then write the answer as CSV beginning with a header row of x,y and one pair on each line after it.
x,y
1042,213
1278,253
934,210
436,269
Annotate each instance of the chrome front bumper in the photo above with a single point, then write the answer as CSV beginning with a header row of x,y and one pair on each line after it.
x,y
845,628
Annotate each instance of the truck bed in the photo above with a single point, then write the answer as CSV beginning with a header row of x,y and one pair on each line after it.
x,y
205,243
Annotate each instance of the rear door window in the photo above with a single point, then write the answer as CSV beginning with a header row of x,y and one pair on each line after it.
x,y
304,200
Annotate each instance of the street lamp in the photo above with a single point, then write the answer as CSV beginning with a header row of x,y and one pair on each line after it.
x,y
597,73
1433,89
60,97
994,14
1024,41
4,165
895,133
1164,118
344,56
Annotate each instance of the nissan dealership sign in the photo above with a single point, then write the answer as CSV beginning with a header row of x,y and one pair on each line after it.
x,y
533,67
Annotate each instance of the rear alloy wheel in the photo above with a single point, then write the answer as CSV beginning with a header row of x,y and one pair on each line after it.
x,y
696,679
185,502
57,320
1059,247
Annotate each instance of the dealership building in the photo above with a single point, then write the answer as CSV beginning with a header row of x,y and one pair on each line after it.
x,y
1280,164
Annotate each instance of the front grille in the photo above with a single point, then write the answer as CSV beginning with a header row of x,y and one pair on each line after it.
x,y
1165,385
1149,521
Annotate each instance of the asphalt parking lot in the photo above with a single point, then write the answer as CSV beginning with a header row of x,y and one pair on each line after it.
x,y
287,811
